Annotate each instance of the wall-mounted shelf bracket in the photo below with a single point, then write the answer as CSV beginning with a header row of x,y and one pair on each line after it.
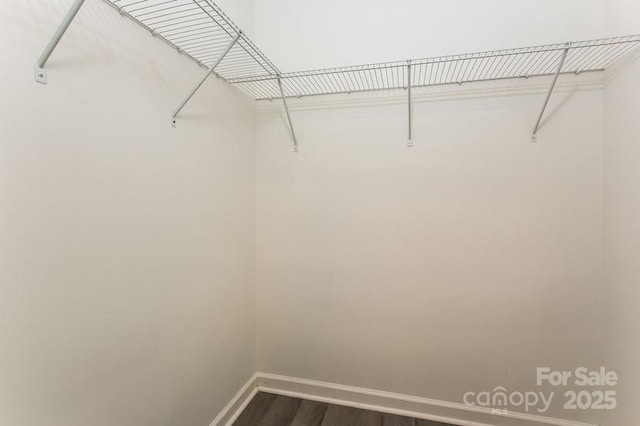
x,y
286,110
409,76
211,71
563,57
40,74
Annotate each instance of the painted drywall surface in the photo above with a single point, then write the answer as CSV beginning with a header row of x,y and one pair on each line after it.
x,y
127,291
622,218
241,12
307,34
461,264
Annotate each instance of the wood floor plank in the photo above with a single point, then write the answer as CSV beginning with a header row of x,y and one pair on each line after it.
x,y
338,415
423,422
347,416
281,412
256,410
393,420
369,418
310,413
275,410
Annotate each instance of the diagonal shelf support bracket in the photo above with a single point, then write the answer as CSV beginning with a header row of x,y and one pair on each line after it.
x,y
40,74
409,75
563,57
211,71
286,110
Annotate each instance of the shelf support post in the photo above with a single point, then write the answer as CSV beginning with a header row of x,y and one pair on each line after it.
x,y
563,57
40,74
286,110
211,71
410,142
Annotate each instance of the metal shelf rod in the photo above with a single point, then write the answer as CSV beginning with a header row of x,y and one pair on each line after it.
x,y
40,73
563,57
211,71
410,143
286,110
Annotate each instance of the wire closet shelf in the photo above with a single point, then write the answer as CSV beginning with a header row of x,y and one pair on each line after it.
x,y
201,30
581,57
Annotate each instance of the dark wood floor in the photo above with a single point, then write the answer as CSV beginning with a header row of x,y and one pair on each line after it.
x,y
274,410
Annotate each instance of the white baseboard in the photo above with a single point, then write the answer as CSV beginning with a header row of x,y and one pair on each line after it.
x,y
440,411
423,408
238,403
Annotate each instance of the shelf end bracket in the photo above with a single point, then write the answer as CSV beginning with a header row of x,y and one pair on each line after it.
x,y
563,57
211,71
40,74
286,110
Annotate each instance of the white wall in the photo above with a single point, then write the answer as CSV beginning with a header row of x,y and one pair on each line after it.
x,y
622,217
459,265
127,247
127,292
305,34
241,12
